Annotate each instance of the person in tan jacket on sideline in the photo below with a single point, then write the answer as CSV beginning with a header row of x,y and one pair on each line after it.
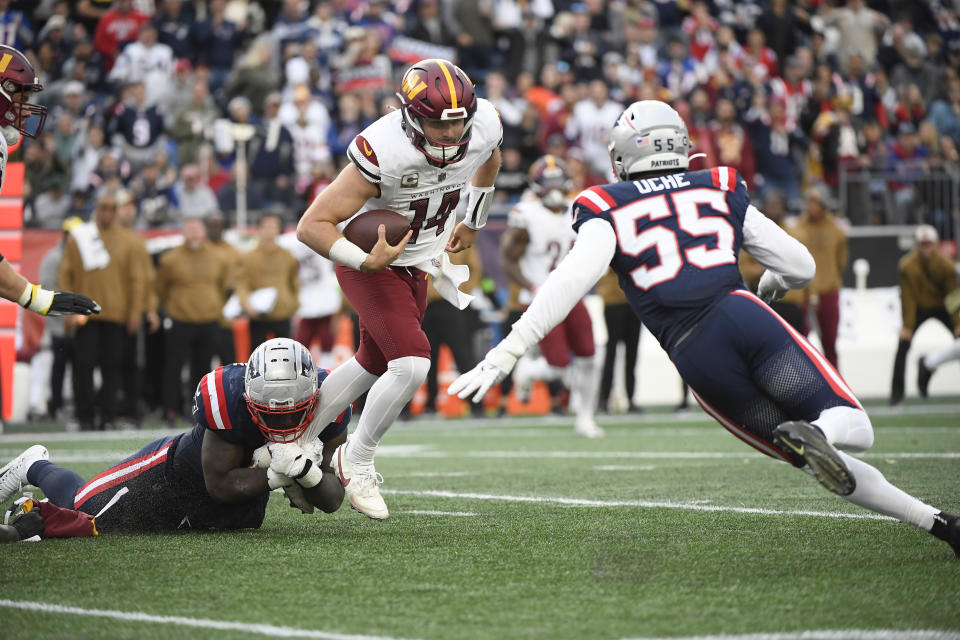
x,y
827,242
926,277
191,286
109,270
269,265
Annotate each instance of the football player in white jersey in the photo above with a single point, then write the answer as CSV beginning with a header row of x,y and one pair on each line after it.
x,y
418,161
18,115
539,235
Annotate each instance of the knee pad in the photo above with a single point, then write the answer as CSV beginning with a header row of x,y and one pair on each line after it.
x,y
412,368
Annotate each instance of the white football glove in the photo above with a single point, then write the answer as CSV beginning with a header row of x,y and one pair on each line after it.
x,y
495,366
261,458
771,287
297,498
290,459
277,480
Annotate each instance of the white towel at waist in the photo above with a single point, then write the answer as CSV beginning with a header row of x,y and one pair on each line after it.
x,y
447,277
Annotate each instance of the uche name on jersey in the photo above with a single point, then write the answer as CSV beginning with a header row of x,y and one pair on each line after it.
x,y
649,185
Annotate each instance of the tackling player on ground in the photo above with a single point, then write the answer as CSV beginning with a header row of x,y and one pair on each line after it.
x,y
18,116
672,237
538,236
418,161
248,440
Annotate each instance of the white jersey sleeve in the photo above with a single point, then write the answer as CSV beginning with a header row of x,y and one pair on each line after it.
x,y
572,279
777,250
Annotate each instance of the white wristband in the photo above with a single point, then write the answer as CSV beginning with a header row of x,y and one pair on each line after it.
x,y
346,253
479,200
311,478
35,298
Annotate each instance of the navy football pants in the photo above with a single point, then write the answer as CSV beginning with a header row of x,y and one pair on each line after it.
x,y
751,371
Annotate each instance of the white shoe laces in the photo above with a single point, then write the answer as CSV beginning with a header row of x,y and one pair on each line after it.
x,y
368,480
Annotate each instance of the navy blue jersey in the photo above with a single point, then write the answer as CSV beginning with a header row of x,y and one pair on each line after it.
x,y
678,238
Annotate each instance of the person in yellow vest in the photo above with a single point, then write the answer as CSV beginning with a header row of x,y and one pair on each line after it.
x,y
827,242
926,278
445,324
191,286
269,266
102,260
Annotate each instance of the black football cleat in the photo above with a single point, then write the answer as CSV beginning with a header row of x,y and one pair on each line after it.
x,y
806,441
946,526
923,376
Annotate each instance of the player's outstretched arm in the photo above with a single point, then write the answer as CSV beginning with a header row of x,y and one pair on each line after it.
x,y
572,279
789,264
16,288
341,200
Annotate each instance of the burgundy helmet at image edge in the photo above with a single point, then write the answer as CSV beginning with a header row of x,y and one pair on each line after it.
x,y
17,79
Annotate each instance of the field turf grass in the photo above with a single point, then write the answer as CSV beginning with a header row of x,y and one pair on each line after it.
x,y
517,529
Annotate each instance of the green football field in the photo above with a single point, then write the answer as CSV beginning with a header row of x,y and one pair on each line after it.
x,y
668,527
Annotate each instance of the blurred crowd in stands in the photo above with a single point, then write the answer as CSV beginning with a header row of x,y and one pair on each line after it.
x,y
861,96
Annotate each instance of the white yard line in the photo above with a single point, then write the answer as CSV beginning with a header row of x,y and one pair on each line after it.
x,y
454,514
200,623
828,634
642,504
624,467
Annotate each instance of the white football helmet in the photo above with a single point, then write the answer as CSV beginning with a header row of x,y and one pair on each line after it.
x,y
649,136
280,388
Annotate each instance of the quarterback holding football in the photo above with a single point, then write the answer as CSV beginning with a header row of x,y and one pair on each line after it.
x,y
18,116
419,161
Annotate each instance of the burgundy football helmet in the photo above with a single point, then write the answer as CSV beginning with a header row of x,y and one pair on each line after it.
x,y
550,181
17,78
437,89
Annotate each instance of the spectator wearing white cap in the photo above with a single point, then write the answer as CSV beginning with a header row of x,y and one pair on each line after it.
x,y
926,278
193,198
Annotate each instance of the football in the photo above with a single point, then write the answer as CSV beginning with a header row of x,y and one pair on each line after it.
x,y
362,230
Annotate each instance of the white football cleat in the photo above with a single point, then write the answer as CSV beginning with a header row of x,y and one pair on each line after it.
x,y
361,482
588,429
13,476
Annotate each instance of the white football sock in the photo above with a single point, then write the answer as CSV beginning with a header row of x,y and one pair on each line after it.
x,y
387,397
875,493
345,384
934,360
585,386
846,428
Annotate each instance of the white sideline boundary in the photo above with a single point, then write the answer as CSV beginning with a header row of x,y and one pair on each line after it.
x,y
829,634
640,504
268,630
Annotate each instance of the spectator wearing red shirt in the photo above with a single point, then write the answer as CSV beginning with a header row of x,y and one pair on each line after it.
x,y
117,27
758,56
699,27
